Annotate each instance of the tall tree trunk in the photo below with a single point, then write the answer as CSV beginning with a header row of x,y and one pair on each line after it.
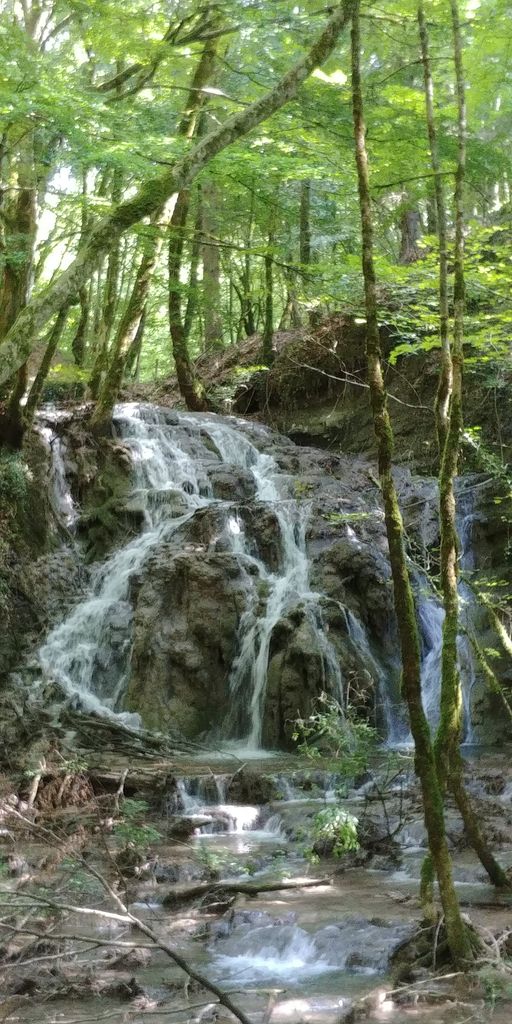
x,y
17,281
110,299
457,934
305,224
211,267
267,350
79,342
127,331
449,760
195,251
152,195
132,365
190,386
444,387
410,229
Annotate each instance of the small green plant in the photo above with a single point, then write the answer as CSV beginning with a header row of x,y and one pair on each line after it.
x,y
302,489
336,734
336,828
13,477
132,829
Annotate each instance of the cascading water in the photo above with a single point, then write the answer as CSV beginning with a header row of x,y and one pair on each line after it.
x,y
88,654
173,457
64,505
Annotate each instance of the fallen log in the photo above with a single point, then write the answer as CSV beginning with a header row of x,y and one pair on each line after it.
x,y
182,894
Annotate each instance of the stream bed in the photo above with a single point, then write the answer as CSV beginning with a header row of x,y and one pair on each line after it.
x,y
320,954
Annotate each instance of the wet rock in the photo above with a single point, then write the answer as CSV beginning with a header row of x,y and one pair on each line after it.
x,y
250,787
242,921
179,671
131,961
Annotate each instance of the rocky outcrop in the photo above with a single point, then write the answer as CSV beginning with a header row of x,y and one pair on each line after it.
x,y
187,610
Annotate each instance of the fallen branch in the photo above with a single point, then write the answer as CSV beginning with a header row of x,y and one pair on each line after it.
x,y
190,892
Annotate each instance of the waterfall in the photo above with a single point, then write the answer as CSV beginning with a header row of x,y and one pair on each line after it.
x,y
88,654
174,457
63,504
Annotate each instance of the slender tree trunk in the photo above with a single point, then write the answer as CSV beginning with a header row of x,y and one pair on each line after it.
x,y
211,268
127,332
110,299
34,395
458,938
189,384
305,224
267,351
79,342
132,365
449,760
195,252
152,195
444,388
17,281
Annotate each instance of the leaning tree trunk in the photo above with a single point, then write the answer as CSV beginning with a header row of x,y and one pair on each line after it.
x,y
457,934
36,390
152,195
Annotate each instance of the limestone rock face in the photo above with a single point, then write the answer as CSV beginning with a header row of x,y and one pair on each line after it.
x,y
174,638
186,616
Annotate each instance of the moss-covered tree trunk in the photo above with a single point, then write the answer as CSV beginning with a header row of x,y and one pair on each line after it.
x,y
212,311
267,348
16,282
442,404
457,934
152,195
449,760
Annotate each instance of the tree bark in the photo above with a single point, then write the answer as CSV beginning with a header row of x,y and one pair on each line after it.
x,y
189,384
110,299
457,934
444,387
410,228
211,267
154,193
449,760
267,350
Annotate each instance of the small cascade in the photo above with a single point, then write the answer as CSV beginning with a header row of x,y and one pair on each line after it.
x,y
286,588
88,654
206,798
284,951
63,504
